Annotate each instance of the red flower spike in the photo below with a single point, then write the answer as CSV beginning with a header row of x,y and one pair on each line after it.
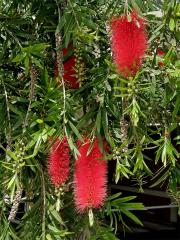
x,y
69,71
58,162
90,178
160,52
129,43
161,64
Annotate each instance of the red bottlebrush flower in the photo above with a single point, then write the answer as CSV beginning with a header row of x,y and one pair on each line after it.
x,y
69,71
58,162
90,178
161,64
129,43
160,52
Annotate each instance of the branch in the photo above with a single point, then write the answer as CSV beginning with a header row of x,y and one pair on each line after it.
x,y
43,206
33,77
15,206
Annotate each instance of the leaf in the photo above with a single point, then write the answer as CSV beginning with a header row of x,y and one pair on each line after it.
x,y
98,120
19,58
158,154
164,155
114,196
12,190
156,32
48,237
15,110
12,181
61,24
86,118
55,214
61,233
72,146
75,130
38,48
105,126
40,121
37,62
176,108
12,155
161,179
135,6
119,201
9,153
37,146
54,229
171,24
131,216
113,76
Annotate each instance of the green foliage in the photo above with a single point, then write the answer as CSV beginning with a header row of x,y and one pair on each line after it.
x,y
118,206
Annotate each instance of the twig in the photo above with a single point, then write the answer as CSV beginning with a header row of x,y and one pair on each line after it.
x,y
43,206
8,135
33,77
15,206
126,7
6,197
59,57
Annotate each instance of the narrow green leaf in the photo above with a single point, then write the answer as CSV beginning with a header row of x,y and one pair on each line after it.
x,y
156,32
172,24
19,57
48,237
98,121
38,48
11,155
86,118
105,125
122,200
12,181
114,196
161,179
132,216
75,130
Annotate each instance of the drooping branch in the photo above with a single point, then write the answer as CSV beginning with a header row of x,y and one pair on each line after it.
x,y
18,194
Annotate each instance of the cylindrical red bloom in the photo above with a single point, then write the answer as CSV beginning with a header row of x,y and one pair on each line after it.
x,y
90,177
58,162
129,43
69,71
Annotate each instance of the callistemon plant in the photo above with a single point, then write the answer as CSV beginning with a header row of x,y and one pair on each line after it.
x,y
90,177
58,162
69,75
128,42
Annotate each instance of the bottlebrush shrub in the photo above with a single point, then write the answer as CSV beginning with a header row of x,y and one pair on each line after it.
x,y
69,69
58,162
90,177
128,42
